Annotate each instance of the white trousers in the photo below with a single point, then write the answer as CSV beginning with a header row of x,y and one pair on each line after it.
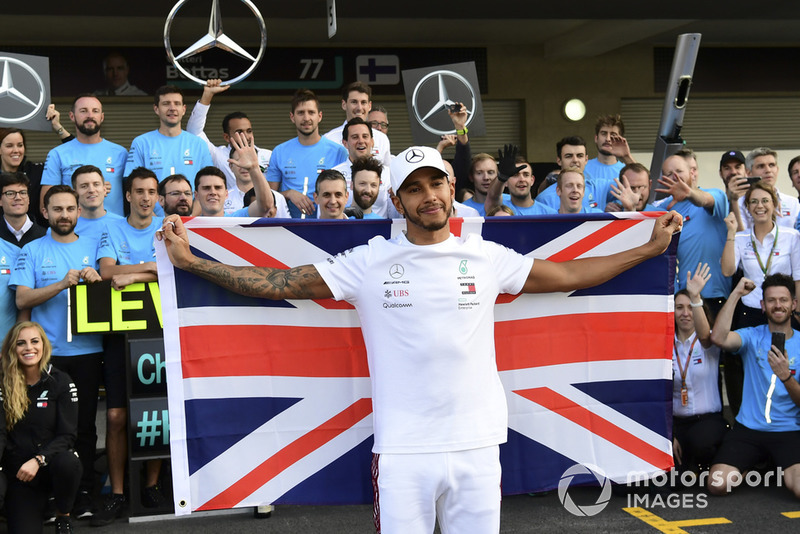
x,y
461,489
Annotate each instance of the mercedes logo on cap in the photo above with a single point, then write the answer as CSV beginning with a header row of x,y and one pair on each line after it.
x,y
435,92
21,87
215,38
414,156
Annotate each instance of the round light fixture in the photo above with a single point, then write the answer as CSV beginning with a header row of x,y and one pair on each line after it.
x,y
574,109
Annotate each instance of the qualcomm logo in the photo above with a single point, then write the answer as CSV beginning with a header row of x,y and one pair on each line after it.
x,y
23,99
216,38
586,510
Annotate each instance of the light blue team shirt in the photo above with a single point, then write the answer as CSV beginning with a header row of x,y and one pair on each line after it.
x,y
183,154
595,197
109,157
537,209
601,171
472,203
372,216
784,414
94,228
292,162
43,262
128,245
8,303
702,240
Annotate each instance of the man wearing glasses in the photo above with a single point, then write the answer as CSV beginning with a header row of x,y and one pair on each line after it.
x,y
18,229
379,119
175,195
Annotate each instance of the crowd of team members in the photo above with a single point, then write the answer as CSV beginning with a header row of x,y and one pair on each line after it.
x,y
91,210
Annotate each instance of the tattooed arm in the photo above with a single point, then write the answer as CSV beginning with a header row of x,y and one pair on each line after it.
x,y
302,282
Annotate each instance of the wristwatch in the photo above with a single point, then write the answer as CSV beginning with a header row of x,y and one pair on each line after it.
x,y
41,460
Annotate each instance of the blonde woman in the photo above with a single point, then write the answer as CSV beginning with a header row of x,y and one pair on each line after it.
x,y
40,409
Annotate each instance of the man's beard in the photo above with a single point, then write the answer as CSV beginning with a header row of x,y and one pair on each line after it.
x,y
364,205
61,231
82,128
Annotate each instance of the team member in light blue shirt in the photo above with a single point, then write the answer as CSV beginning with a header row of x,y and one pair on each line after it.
x,y
612,149
515,172
169,149
126,256
87,181
704,230
631,189
571,155
9,314
44,272
295,164
88,148
768,423
570,190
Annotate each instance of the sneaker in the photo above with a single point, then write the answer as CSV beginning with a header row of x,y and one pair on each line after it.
x,y
152,497
50,511
63,525
112,510
83,506
263,512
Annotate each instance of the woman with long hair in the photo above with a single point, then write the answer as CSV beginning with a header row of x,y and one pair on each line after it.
x,y
40,411
697,423
766,248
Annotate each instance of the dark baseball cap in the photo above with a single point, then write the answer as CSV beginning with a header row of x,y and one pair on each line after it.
x,y
729,155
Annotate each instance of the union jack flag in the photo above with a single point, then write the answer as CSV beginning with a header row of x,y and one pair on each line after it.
x,y
270,400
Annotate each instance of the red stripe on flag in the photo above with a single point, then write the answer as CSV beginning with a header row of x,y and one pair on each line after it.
x,y
240,247
544,341
259,350
594,239
455,225
597,425
289,455
258,258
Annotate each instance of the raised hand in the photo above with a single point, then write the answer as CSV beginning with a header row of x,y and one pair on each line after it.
x,y
506,162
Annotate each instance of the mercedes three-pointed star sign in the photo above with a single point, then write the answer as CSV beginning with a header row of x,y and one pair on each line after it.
x,y
8,90
216,38
443,99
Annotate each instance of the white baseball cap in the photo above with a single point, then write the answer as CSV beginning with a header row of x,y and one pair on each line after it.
x,y
411,159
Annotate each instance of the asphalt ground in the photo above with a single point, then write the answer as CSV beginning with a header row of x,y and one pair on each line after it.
x,y
750,509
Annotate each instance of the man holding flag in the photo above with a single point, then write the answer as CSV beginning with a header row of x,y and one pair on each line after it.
x,y
439,407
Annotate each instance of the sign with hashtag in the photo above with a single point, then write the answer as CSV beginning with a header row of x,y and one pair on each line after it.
x,y
149,428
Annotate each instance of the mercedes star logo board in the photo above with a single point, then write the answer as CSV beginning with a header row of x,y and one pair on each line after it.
x,y
24,91
215,38
429,93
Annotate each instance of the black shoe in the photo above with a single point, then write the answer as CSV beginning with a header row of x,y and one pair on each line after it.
x,y
153,498
63,525
112,510
50,511
83,506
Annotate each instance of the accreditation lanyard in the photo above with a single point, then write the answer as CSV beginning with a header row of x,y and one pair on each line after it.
x,y
684,368
771,252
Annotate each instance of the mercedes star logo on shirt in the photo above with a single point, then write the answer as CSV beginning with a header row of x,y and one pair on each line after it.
x,y
396,271
19,105
215,38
